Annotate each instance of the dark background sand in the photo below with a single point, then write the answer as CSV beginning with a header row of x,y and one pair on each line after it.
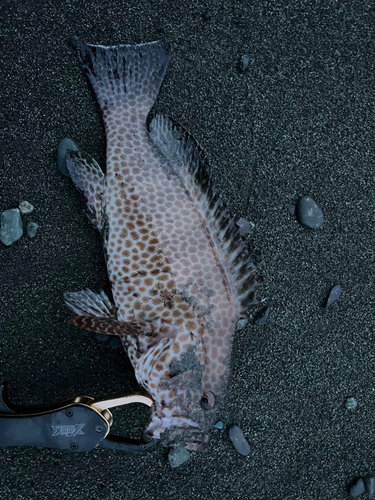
x,y
299,121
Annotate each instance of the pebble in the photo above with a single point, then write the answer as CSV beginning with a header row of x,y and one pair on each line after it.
x,y
291,209
308,213
64,145
115,342
358,488
334,294
244,226
206,15
238,440
219,425
73,41
370,484
241,324
244,63
26,207
177,456
31,229
102,337
262,316
351,404
11,226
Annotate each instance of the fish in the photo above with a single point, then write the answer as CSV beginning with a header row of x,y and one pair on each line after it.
x,y
181,274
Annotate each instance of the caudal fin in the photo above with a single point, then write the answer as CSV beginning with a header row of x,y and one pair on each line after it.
x,y
125,76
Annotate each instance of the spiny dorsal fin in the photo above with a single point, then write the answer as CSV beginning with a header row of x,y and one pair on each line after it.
x,y
184,153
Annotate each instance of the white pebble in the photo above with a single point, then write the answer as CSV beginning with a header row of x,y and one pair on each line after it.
x,y
26,207
177,456
351,404
238,440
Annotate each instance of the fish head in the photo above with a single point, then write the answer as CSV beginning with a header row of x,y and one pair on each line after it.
x,y
183,411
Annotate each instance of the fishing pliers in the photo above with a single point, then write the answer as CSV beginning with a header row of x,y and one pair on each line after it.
x,y
79,424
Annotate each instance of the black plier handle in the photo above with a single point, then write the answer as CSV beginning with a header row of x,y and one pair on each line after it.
x,y
79,424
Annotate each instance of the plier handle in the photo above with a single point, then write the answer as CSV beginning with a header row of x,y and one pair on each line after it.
x,y
79,424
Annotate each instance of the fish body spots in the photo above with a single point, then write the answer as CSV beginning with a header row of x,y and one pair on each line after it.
x,y
160,243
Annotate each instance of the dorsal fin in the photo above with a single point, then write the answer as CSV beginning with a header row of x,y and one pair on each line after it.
x,y
185,154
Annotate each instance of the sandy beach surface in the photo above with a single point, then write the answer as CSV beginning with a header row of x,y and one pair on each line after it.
x,y
299,120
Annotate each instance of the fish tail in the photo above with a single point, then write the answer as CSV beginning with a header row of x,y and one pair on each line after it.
x,y
125,77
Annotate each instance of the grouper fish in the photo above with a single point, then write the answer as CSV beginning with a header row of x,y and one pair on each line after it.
x,y
181,274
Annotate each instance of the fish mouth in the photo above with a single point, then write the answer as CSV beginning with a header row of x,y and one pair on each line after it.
x,y
188,433
190,438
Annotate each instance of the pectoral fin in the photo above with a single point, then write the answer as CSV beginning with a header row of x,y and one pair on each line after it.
x,y
88,303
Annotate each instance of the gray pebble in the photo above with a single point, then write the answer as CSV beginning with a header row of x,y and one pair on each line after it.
x,y
244,226
64,145
102,337
334,294
262,316
238,440
206,15
241,324
291,209
351,404
177,456
11,226
244,63
370,484
31,229
25,207
219,425
358,488
308,213
115,342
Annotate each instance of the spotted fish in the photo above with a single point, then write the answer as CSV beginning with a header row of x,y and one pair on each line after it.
x,y
180,272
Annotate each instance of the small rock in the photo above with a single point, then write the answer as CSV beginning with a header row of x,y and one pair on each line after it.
x,y
308,213
351,404
206,15
334,294
177,456
102,337
73,41
26,207
291,209
370,484
11,226
261,316
219,425
244,226
244,62
64,145
115,342
238,440
31,229
358,488
241,323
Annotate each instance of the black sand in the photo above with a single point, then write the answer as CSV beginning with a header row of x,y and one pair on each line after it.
x,y
299,121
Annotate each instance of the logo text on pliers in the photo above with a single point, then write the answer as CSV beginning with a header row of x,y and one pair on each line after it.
x,y
67,430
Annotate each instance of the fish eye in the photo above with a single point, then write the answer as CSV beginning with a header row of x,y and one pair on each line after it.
x,y
207,400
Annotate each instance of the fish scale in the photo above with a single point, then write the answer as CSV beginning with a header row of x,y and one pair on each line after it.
x,y
181,274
